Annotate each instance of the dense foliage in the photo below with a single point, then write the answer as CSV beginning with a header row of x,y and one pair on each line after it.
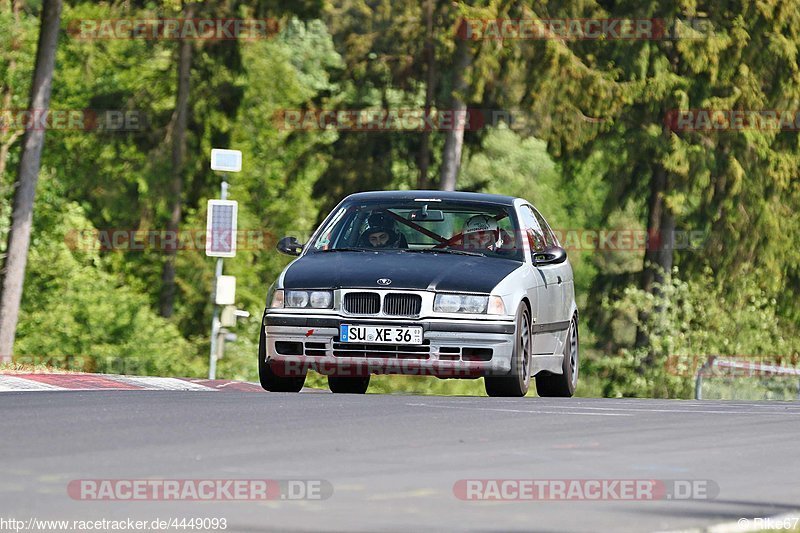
x,y
590,145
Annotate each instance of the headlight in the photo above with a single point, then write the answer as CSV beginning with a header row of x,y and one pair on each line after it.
x,y
456,303
447,303
321,299
296,298
475,304
313,299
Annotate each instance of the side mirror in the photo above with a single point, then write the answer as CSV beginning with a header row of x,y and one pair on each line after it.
x,y
290,246
554,255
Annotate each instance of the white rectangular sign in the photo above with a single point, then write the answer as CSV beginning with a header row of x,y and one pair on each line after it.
x,y
226,160
225,293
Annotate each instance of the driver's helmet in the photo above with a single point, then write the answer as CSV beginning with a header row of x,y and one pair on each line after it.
x,y
380,231
481,233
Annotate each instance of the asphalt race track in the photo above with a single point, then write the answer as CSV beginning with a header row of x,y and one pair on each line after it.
x,y
393,460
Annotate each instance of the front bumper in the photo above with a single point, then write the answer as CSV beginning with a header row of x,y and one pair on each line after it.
x,y
451,348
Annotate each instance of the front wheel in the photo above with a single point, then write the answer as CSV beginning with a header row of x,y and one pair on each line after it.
x,y
348,385
270,380
563,385
519,381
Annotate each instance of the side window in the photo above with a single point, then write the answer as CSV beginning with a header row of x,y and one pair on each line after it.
x,y
549,236
323,242
532,230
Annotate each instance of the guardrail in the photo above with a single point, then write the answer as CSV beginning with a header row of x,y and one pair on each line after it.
x,y
741,368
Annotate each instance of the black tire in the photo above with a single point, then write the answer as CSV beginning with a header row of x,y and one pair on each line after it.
x,y
563,385
340,385
270,381
519,381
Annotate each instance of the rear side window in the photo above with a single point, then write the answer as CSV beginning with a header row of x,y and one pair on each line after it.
x,y
549,237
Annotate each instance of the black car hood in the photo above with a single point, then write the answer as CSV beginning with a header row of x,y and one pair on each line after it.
x,y
442,272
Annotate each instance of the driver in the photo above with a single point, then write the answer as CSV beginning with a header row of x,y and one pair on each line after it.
x,y
482,233
381,232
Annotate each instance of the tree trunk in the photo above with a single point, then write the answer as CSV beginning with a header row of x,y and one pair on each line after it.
x,y
660,231
430,81
454,139
19,236
8,91
167,300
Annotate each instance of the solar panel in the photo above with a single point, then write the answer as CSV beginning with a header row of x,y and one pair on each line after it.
x,y
221,228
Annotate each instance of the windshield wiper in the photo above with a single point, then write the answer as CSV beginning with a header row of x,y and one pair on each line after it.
x,y
443,251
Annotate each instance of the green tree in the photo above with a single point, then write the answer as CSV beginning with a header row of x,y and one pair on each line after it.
x,y
19,235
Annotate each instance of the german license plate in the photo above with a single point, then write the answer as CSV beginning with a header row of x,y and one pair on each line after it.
x,y
380,334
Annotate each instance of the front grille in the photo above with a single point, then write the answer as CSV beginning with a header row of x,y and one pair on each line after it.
x,y
383,351
402,304
362,303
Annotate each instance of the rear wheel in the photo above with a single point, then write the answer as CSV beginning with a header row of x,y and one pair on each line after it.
x,y
271,381
563,385
518,382
348,385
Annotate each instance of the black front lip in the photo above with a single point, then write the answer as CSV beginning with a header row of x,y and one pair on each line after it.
x,y
457,327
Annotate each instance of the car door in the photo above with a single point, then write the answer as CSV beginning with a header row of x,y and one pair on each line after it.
x,y
561,271
548,293
564,279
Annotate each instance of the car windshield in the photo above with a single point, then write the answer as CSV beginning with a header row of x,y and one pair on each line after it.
x,y
414,226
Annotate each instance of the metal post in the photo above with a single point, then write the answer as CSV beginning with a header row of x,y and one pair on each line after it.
x,y
212,356
698,380
698,386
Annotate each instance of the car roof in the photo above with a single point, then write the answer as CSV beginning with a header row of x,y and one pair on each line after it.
x,y
433,195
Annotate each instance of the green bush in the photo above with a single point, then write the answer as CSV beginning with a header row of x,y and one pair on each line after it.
x,y
686,322
76,315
